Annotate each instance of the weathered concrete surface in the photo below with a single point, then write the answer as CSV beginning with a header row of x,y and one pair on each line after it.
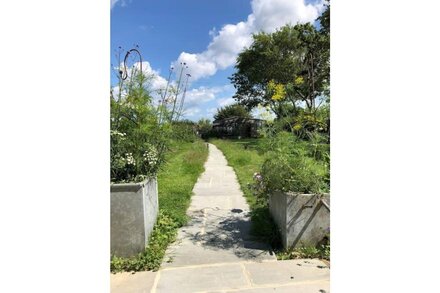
x,y
286,272
218,231
204,278
140,282
134,209
303,219
303,276
306,287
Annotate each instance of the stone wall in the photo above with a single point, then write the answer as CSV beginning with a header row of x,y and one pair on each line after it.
x,y
134,208
303,219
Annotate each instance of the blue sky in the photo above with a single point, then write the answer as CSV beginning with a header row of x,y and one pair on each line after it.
x,y
207,35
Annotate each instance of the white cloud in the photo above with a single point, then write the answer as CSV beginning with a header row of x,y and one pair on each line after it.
x,y
196,99
122,3
267,15
211,111
203,94
157,82
272,14
191,112
225,101
112,3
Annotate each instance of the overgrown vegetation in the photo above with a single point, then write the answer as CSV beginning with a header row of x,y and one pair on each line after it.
x,y
292,164
320,251
138,139
184,164
141,128
204,128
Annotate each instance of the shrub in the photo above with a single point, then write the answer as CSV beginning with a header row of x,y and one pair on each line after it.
x,y
204,128
138,139
289,165
234,110
184,130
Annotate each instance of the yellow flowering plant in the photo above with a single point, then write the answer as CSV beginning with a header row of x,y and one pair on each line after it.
x,y
299,80
278,90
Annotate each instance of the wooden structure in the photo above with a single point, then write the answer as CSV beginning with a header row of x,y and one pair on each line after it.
x,y
237,127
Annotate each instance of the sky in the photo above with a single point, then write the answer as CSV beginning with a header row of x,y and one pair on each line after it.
x,y
206,35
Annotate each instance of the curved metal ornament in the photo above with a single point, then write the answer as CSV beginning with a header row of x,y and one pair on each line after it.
x,y
124,73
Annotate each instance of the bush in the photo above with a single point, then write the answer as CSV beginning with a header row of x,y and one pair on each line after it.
x,y
234,110
184,130
204,128
289,165
138,139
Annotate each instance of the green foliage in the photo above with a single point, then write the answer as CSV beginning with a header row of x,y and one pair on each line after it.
x,y
204,127
296,68
176,180
234,110
138,140
184,164
294,165
184,130
321,252
247,157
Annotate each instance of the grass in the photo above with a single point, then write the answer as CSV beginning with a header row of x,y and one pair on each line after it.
x,y
176,180
175,183
246,158
321,252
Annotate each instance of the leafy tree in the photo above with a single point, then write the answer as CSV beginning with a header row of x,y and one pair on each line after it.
x,y
204,126
234,110
289,66
324,20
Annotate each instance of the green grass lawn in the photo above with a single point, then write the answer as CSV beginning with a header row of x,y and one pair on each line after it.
x,y
175,183
246,158
176,180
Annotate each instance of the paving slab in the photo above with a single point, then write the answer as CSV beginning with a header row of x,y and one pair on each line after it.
x,y
199,279
287,271
140,282
312,287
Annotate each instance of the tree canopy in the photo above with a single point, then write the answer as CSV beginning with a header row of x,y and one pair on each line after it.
x,y
234,110
289,66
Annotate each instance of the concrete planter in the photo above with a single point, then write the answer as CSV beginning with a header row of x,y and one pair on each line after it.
x,y
303,219
134,208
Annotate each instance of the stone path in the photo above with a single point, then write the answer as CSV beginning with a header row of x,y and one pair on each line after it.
x,y
218,231
215,252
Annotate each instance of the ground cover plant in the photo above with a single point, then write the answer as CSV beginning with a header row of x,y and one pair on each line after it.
x,y
184,164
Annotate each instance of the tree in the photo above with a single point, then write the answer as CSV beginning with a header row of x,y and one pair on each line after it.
x,y
289,66
234,110
204,126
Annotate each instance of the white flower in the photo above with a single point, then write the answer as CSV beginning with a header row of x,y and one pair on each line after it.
x,y
129,159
